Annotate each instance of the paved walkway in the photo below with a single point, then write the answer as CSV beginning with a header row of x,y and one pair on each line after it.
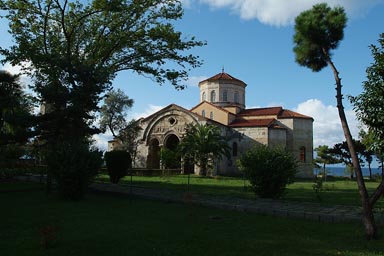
x,y
310,211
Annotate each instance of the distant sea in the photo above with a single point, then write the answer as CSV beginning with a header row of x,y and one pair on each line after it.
x,y
342,172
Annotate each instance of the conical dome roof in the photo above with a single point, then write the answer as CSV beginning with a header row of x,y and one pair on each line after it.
x,y
223,77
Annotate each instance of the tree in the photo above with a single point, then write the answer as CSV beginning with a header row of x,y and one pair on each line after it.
x,y
15,110
74,49
368,154
341,151
118,163
324,157
73,165
318,31
268,169
370,109
129,137
16,119
113,111
203,143
369,139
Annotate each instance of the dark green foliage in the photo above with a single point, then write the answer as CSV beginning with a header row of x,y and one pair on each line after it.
x,y
370,103
203,144
118,162
73,165
170,159
269,170
324,157
317,32
129,137
16,120
112,113
76,48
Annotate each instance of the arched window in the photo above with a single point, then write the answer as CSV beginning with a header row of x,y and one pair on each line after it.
x,y
234,149
213,96
211,115
236,97
225,95
203,97
302,156
203,113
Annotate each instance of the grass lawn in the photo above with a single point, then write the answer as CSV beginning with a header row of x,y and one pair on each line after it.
x,y
337,191
104,224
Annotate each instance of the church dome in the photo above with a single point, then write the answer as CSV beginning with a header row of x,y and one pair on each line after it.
x,y
223,90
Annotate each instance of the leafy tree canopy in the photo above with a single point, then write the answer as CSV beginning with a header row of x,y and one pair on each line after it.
x,y
203,144
16,119
101,37
369,105
317,32
113,111
73,49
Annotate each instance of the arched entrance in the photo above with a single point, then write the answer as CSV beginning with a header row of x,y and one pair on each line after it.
x,y
172,158
153,159
172,142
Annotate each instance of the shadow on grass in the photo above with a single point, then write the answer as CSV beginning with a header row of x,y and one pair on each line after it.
x,y
103,224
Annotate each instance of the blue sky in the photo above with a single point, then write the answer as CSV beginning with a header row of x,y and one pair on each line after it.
x,y
252,40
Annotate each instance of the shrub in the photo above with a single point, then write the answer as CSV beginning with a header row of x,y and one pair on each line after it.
x,y
73,165
170,159
268,170
118,162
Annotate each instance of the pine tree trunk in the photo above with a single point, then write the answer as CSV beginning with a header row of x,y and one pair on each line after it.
x,y
368,217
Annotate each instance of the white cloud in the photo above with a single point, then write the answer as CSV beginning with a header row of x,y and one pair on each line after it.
x,y
283,12
147,112
193,81
101,140
327,128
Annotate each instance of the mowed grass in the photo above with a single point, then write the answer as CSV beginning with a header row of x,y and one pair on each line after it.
x,y
335,191
105,224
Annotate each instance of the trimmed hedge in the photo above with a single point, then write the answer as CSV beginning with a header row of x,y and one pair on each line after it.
x,y
269,170
118,162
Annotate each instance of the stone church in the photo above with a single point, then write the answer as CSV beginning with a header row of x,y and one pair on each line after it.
x,y
222,103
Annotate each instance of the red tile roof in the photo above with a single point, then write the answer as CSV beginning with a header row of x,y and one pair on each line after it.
x,y
289,114
253,122
279,112
273,111
222,76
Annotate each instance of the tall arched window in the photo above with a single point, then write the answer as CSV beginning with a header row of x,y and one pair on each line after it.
x,y
203,97
225,95
236,97
234,149
213,96
302,157
203,113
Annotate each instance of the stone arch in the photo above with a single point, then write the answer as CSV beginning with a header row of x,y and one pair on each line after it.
x,y
153,158
171,141
189,117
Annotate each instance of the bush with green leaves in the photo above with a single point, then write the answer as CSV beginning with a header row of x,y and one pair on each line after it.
x,y
118,162
268,170
73,165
